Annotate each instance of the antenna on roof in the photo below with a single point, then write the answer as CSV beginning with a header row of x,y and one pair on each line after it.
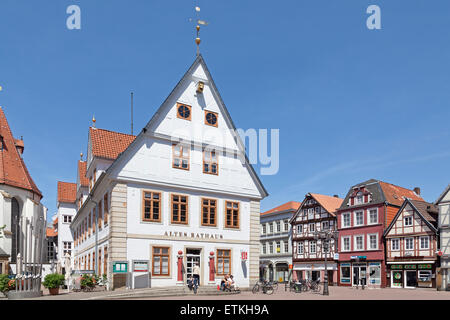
x,y
131,113
198,22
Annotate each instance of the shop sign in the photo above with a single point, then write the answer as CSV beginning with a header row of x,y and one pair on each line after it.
x,y
396,266
336,256
291,267
120,267
410,266
140,266
425,266
244,255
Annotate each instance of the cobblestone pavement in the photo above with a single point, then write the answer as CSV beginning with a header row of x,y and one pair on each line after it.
x,y
336,293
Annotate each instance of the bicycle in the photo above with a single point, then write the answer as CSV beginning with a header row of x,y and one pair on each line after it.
x,y
265,286
314,285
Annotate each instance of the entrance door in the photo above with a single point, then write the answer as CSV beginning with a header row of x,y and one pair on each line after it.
x,y
359,274
410,279
192,257
330,277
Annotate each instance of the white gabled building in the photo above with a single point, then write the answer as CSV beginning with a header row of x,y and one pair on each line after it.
x,y
181,191
444,229
67,209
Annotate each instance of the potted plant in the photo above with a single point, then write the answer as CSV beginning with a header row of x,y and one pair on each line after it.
x,y
52,282
4,284
88,282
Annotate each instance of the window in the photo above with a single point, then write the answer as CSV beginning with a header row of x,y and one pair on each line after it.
x,y
180,158
270,247
211,118
317,209
105,260
372,241
395,244
408,221
183,111
359,243
179,209
425,242
299,228
232,215
161,259
271,227
278,226
100,214
359,198
409,243
312,247
346,219
325,225
300,248
99,266
152,206
90,223
312,227
106,210
264,248
223,262
310,213
278,247
359,218
210,164
345,243
264,229
209,209
345,273
67,245
67,219
286,246
373,216
286,225
425,275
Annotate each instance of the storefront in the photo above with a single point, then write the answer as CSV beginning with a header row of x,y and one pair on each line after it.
x,y
360,272
412,275
282,272
314,271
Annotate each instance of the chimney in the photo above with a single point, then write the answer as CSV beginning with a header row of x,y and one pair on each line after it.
x,y
336,196
417,190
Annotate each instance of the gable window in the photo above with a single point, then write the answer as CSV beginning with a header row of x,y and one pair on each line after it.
x,y
152,206
210,163
312,247
180,156
395,244
211,118
179,209
359,242
317,209
161,261
67,219
409,243
183,111
232,215
373,216
359,218
408,221
209,209
346,219
223,262
425,242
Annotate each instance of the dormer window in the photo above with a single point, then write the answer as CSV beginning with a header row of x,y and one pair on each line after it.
x,y
211,118
183,111
359,199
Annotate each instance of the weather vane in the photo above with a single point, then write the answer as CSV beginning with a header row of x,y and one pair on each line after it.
x,y
198,22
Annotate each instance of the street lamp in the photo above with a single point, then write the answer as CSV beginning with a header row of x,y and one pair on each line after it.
x,y
325,236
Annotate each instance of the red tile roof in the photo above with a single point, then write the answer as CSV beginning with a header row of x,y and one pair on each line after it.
x,y
13,171
396,195
109,144
291,205
51,232
331,204
67,192
82,167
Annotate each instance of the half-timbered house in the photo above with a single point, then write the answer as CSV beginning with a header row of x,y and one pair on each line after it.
x,y
317,213
411,246
443,202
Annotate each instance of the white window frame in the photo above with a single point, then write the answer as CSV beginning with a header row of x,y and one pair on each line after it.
x,y
302,246
343,238
310,247
355,242
264,228
428,242
299,228
271,228
355,220
271,247
404,221
343,225
286,225
278,224
358,195
286,246
323,225
278,245
369,222
264,248
396,240
406,242
368,241
68,217
309,227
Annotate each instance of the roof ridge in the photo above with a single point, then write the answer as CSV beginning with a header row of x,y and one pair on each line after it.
x,y
107,130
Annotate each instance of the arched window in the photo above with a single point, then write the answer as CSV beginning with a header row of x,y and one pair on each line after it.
x,y
15,220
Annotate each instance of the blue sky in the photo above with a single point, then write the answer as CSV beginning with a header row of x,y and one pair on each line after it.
x,y
351,103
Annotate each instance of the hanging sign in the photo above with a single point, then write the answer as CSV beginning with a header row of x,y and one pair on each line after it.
x,y
244,255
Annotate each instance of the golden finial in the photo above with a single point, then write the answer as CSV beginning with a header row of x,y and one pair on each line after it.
x,y
81,156
197,27
93,121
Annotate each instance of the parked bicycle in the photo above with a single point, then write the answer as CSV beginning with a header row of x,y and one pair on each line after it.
x,y
264,286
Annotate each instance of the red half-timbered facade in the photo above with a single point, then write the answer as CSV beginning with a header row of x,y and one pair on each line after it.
x,y
411,246
317,213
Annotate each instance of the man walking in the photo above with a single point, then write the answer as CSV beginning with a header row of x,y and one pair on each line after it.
x,y
196,274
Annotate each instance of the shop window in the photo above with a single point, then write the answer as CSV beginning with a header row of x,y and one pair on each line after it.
x,y
374,273
345,273
425,275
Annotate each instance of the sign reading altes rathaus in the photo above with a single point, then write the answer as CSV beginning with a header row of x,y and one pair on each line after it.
x,y
193,235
